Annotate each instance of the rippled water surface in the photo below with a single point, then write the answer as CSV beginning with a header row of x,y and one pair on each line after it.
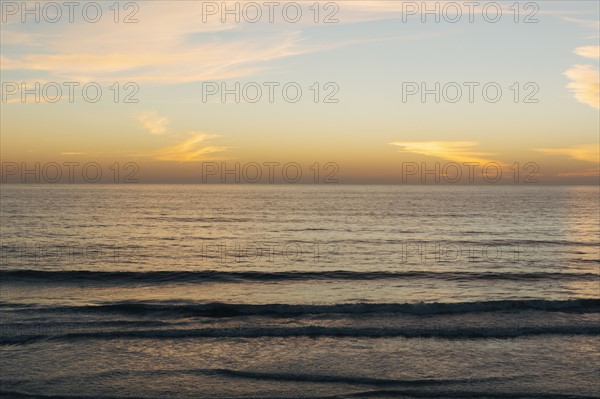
x,y
186,291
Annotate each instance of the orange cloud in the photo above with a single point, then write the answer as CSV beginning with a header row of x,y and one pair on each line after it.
x,y
153,122
585,84
192,149
172,44
586,152
456,151
592,52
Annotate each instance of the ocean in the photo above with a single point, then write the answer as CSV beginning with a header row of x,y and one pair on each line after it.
x,y
299,291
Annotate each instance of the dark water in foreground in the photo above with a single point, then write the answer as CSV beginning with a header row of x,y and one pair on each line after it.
x,y
299,292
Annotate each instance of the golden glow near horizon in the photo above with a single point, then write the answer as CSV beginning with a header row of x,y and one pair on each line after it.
x,y
367,85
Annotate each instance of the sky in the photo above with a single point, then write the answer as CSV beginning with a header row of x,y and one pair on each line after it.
x,y
180,84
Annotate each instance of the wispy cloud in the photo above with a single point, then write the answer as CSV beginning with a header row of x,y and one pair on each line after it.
x,y
364,10
592,52
194,148
456,151
153,122
169,44
585,84
586,23
179,64
586,152
585,79
172,45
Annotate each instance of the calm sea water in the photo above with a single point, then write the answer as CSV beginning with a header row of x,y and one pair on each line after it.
x,y
187,291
